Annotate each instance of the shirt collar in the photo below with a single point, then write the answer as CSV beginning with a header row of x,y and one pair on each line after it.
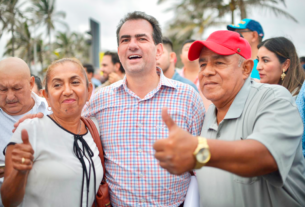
x,y
239,102
164,81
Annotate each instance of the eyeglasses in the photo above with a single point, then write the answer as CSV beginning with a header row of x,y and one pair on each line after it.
x,y
242,31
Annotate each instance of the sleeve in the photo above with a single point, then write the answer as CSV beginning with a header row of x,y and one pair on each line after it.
x,y
91,108
279,128
197,115
30,126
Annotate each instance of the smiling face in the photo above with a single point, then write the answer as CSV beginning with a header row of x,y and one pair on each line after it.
x,y
15,87
107,66
67,90
269,66
137,50
221,77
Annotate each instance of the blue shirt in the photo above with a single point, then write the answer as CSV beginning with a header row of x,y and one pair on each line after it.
x,y
178,77
254,73
301,106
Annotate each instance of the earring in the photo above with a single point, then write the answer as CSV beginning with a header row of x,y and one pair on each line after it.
x,y
283,75
49,109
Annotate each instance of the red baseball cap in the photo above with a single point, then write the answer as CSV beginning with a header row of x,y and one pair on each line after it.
x,y
222,42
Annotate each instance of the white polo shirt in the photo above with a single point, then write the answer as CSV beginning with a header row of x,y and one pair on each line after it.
x,y
7,122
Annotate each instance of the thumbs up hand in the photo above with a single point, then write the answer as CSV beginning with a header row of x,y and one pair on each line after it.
x,y
175,153
22,154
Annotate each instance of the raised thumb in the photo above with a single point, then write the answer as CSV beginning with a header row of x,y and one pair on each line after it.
x,y
25,137
168,120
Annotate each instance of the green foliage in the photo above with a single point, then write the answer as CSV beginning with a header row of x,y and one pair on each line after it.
x,y
22,20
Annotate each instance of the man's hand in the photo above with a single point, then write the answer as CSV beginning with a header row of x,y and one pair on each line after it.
x,y
28,116
113,77
175,153
22,154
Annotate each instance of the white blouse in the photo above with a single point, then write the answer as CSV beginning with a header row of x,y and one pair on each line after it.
x,y
57,174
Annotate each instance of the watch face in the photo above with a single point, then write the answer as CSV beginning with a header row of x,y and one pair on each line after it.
x,y
203,155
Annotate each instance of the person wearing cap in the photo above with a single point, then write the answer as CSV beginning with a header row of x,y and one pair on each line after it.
x,y
253,32
249,151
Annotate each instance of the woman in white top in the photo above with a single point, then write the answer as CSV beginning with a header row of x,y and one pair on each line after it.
x,y
54,161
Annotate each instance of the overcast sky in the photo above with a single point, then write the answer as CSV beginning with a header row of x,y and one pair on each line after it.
x,y
109,12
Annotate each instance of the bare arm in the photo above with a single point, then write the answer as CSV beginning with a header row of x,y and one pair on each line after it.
x,y
16,172
245,158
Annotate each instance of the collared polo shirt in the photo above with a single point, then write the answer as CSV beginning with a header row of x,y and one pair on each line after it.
x,y
129,127
7,122
268,114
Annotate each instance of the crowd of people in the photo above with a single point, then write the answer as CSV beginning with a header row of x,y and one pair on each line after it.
x,y
233,117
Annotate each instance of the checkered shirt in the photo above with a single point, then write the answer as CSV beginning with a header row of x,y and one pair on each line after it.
x,y
130,126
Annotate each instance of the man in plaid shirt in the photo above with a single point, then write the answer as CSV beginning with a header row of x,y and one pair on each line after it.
x,y
129,117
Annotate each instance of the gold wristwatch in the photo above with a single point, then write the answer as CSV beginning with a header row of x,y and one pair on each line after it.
x,y
202,153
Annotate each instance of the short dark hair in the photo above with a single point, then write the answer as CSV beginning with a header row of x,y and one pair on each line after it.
x,y
115,59
38,82
157,34
89,68
168,42
302,59
186,42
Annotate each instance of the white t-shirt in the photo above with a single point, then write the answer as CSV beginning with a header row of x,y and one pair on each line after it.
x,y
57,174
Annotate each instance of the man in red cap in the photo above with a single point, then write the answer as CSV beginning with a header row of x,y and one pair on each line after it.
x,y
249,151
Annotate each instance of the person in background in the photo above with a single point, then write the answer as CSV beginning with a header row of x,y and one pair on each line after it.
x,y
249,151
278,63
253,32
302,61
112,69
16,100
167,63
38,86
90,74
54,161
190,70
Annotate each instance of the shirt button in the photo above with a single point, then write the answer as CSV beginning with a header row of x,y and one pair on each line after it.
x,y
139,124
140,150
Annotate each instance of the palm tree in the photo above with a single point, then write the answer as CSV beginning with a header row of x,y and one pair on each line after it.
x,y
44,11
23,43
10,12
199,14
64,44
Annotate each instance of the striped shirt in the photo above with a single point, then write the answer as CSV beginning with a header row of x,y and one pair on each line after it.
x,y
130,126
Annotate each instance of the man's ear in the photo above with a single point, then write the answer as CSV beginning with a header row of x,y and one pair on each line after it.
x,y
117,67
159,51
247,68
255,36
90,88
32,82
173,57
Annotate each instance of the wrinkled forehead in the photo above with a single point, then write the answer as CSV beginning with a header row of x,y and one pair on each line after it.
x,y
207,54
67,70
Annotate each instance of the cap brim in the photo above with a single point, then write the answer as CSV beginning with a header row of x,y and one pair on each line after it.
x,y
233,27
197,46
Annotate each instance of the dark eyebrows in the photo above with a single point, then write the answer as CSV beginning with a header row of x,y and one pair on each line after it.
x,y
137,36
